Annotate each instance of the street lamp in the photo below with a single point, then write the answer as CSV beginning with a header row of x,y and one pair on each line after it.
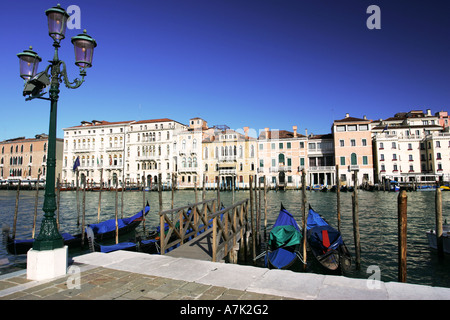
x,y
49,237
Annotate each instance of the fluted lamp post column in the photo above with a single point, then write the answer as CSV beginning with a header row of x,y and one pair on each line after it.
x,y
49,238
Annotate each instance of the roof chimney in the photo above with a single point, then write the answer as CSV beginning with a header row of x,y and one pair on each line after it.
x,y
295,131
347,115
246,132
306,132
365,118
267,132
428,112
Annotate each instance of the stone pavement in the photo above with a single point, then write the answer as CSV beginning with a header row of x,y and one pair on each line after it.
x,y
124,275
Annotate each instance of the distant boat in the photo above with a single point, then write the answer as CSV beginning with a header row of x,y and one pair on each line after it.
x,y
326,243
284,242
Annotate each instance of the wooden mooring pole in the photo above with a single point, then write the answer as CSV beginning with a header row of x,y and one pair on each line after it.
x,y
252,217
84,213
78,198
402,205
99,208
265,209
439,224
338,198
16,210
36,199
304,217
355,211
117,212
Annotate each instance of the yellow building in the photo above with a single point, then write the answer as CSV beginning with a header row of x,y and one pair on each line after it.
x,y
229,157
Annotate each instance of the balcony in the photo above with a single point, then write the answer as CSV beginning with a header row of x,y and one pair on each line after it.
x,y
322,168
227,158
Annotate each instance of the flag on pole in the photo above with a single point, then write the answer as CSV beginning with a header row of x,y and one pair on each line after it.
x,y
76,164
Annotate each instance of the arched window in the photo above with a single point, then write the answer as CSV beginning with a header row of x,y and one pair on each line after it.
x,y
281,158
354,160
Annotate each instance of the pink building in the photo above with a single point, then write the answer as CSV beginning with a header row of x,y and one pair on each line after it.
x,y
353,149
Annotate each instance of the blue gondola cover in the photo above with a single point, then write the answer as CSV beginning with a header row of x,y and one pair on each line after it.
x,y
110,225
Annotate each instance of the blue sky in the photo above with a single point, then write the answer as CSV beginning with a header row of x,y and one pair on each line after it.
x,y
256,63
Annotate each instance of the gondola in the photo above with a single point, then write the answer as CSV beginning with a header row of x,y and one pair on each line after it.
x,y
96,247
284,242
326,244
102,231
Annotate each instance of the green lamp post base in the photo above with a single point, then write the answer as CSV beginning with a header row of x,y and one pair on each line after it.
x,y
49,237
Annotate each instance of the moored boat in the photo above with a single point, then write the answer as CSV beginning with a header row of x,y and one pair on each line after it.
x,y
284,242
103,230
432,241
326,243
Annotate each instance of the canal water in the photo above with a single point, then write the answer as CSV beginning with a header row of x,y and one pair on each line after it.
x,y
377,218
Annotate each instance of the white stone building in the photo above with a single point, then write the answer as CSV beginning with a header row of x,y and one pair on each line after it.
x,y
411,147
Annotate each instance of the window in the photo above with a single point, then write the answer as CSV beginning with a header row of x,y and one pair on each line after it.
x,y
342,161
394,145
438,156
352,127
354,160
365,160
311,146
341,143
288,145
394,157
363,127
353,142
302,145
364,142
261,146
409,146
438,144
411,168
340,128
381,157
302,162
261,163
272,145
383,168
381,146
395,167
410,157
280,145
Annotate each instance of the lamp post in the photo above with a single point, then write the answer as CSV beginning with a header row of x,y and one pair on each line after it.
x,y
49,237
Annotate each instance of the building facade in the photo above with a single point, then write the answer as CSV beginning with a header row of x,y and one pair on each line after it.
x,y
353,149
411,147
282,155
229,157
26,158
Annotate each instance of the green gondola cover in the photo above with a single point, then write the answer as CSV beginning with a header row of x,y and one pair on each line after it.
x,y
285,231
